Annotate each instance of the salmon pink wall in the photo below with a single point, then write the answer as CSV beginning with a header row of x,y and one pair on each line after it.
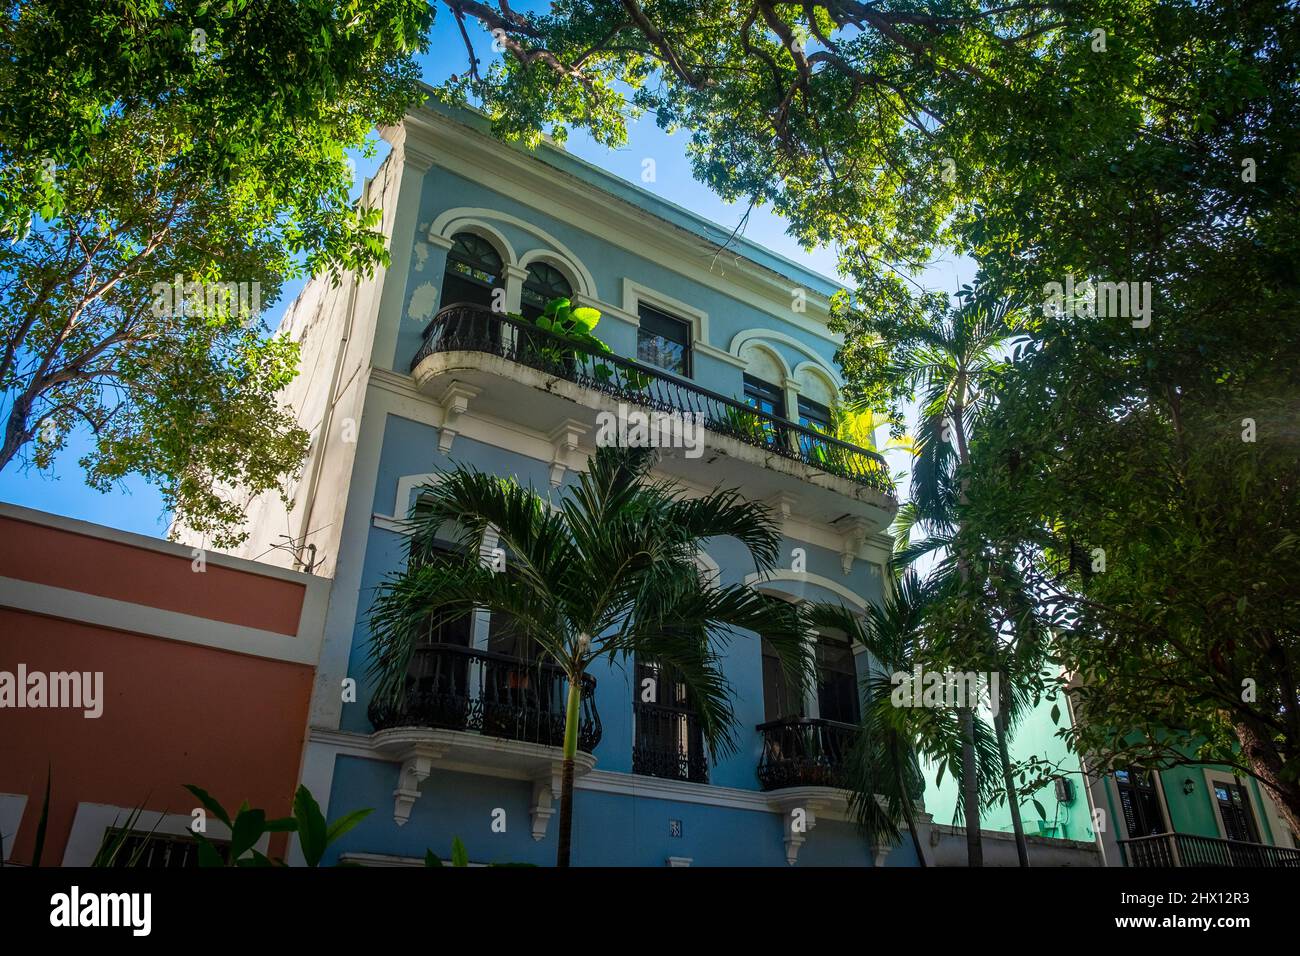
x,y
173,714
148,576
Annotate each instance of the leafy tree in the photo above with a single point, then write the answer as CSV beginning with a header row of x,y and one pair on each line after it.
x,y
608,573
1119,141
158,186
261,96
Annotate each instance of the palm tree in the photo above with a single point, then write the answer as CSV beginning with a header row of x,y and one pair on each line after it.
x,y
883,769
609,572
951,366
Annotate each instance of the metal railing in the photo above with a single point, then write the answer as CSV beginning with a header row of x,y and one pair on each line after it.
x,y
1188,849
474,328
463,688
669,743
804,752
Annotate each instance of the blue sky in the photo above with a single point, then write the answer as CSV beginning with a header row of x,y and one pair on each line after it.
x,y
136,506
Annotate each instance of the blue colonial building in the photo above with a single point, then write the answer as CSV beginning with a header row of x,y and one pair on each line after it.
x,y
419,368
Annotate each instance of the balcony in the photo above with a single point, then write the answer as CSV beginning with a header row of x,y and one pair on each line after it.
x,y
473,691
804,752
500,366
476,711
669,743
1187,849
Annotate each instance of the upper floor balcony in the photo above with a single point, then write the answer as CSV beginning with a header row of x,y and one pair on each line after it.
x,y
502,367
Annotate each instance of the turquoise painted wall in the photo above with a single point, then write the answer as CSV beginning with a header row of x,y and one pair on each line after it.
x,y
1035,736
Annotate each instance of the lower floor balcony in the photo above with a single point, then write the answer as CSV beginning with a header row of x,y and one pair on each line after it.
x,y
1188,849
451,687
478,711
669,743
804,752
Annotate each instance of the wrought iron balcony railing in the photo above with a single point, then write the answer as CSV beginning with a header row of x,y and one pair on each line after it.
x,y
804,752
669,743
476,329
1188,849
461,688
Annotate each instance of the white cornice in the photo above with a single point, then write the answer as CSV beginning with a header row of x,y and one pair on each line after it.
x,y
131,618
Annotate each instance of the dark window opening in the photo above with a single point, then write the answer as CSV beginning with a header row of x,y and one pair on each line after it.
x,y
1235,812
432,673
473,271
764,396
780,699
837,681
816,416
1139,802
543,284
664,341
669,742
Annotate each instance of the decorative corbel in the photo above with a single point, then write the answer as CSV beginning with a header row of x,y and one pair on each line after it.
x,y
853,535
546,793
416,767
782,506
799,822
564,441
454,402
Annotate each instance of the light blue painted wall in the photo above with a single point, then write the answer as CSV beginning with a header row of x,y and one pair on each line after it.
x,y
608,265
612,829
609,829
618,830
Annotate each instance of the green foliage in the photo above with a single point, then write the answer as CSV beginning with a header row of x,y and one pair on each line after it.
x,y
248,826
747,425
263,102
116,838
460,857
134,157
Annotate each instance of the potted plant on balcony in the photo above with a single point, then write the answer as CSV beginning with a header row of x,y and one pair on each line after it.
x,y
610,573
562,318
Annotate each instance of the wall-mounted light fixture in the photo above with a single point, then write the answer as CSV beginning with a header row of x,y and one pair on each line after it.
x,y
1188,786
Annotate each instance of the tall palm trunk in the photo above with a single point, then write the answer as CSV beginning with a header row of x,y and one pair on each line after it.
x,y
1013,798
566,774
969,770
909,813
970,790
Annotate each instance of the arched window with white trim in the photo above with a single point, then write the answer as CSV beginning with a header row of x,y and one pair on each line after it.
x,y
474,270
544,283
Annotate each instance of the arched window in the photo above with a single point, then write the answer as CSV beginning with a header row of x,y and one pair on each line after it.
x,y
544,283
473,271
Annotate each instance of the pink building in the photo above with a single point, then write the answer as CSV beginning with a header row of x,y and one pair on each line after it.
x,y
130,666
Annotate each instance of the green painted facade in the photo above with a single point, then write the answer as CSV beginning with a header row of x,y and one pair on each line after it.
x,y
1035,736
